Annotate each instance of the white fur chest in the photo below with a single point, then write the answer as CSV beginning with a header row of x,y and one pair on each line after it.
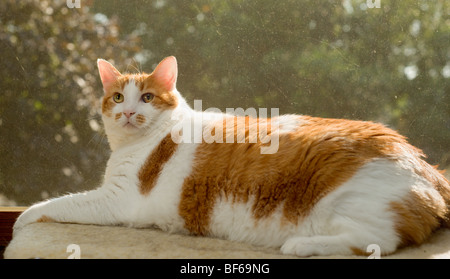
x,y
160,206
126,162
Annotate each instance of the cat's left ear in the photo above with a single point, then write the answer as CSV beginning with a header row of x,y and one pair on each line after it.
x,y
108,73
166,73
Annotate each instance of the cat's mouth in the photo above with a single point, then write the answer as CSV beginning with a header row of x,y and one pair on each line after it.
x,y
129,125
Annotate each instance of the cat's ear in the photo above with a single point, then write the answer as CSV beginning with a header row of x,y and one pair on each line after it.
x,y
108,73
166,73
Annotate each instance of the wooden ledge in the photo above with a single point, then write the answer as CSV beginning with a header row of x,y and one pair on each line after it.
x,y
13,208
8,216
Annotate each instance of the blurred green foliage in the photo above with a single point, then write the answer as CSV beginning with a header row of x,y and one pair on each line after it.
x,y
49,89
324,58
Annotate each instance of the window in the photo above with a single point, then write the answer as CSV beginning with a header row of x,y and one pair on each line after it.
x,y
384,60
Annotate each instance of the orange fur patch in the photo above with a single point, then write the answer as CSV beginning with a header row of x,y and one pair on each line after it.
x,y
118,116
359,252
417,218
140,119
423,211
152,167
108,104
310,162
440,183
45,219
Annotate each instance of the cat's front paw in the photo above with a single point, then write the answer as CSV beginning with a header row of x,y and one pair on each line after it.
x,y
32,215
301,247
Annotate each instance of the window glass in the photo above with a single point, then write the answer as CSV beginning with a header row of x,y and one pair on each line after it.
x,y
379,60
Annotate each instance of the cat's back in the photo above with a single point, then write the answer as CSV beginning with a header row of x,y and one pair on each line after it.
x,y
314,158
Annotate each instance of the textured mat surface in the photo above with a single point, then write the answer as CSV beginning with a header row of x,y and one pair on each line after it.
x,y
52,240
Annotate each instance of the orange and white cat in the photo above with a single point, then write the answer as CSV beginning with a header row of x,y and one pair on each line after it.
x,y
329,186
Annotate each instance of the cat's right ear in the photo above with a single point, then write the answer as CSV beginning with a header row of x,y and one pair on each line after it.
x,y
108,73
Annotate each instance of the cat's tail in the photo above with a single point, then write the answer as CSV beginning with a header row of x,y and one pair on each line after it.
x,y
446,195
442,185
424,210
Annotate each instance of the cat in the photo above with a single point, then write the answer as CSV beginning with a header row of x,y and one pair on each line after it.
x,y
329,186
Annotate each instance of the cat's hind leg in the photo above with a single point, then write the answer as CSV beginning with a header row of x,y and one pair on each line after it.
x,y
355,215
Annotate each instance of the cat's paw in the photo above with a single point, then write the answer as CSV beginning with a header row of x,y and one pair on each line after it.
x,y
315,246
32,215
299,246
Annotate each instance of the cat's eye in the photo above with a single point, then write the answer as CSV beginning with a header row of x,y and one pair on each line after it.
x,y
118,98
147,97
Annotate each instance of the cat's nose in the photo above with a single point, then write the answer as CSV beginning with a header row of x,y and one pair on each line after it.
x,y
128,114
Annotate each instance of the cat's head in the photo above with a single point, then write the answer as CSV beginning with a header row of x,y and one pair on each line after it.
x,y
134,104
